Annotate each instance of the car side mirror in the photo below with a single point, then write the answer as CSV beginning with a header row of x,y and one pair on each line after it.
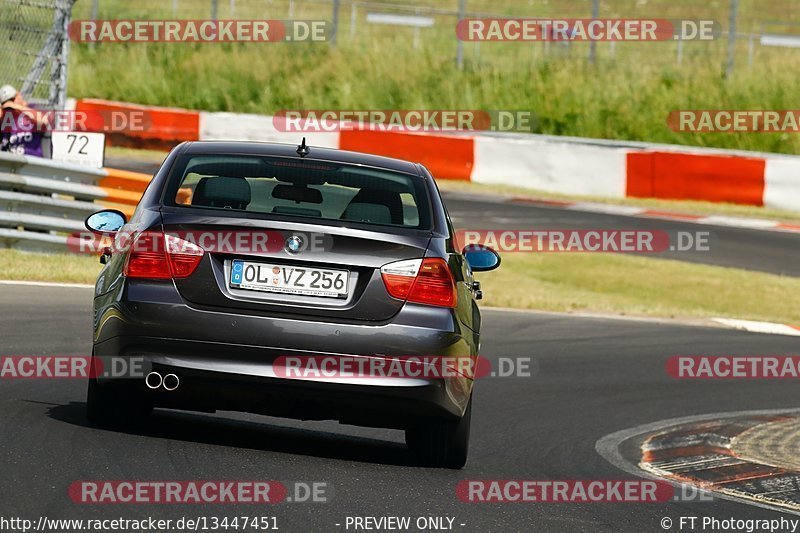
x,y
106,222
481,258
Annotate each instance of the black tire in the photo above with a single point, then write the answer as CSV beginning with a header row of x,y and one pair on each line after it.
x,y
442,443
114,406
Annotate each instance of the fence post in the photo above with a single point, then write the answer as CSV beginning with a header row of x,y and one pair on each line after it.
x,y
593,43
462,8
95,10
214,9
335,23
732,39
60,93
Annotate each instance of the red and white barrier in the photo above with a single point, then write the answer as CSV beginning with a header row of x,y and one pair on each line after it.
x,y
248,127
546,163
782,183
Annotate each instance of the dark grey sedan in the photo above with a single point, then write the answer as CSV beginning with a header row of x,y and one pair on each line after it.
x,y
291,281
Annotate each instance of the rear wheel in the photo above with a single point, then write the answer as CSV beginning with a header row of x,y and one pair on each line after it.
x,y
442,443
114,406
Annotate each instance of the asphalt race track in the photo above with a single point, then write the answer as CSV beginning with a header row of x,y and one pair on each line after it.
x,y
764,251
595,377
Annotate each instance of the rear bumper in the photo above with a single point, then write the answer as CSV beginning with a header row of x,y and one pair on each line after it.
x,y
384,405
225,361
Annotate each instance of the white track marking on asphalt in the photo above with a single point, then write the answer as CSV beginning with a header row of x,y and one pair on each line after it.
x,y
701,323
718,323
738,222
608,448
606,209
632,211
506,220
46,284
759,327
711,220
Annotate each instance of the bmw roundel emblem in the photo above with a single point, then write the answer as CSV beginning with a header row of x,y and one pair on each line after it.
x,y
294,244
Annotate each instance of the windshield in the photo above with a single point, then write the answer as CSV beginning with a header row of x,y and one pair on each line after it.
x,y
307,189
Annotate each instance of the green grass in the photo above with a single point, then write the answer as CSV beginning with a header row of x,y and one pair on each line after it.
x,y
136,154
600,283
61,268
625,96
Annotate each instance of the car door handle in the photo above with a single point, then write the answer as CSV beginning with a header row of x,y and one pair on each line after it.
x,y
105,255
475,287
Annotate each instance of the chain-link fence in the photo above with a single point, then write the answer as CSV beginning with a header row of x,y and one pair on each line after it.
x,y
35,49
430,24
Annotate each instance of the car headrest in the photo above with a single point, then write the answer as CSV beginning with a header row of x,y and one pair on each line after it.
x,y
297,194
227,193
297,211
389,200
375,213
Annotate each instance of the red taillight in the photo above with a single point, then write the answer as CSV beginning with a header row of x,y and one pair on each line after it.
x,y
425,281
184,256
147,258
434,285
155,255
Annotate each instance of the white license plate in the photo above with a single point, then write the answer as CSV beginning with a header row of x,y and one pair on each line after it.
x,y
289,279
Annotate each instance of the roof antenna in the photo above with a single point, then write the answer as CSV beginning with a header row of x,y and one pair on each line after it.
x,y
302,149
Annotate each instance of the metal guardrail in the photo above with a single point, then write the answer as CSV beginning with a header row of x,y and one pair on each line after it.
x,y
42,201
31,184
47,168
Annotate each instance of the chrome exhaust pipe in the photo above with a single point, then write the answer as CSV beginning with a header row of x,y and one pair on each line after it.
x,y
171,382
153,380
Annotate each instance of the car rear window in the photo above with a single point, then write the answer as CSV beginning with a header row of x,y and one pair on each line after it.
x,y
286,187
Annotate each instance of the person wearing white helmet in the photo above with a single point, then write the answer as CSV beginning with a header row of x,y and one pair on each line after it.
x,y
7,94
22,128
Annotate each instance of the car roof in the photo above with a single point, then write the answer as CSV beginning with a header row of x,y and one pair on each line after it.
x,y
290,150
